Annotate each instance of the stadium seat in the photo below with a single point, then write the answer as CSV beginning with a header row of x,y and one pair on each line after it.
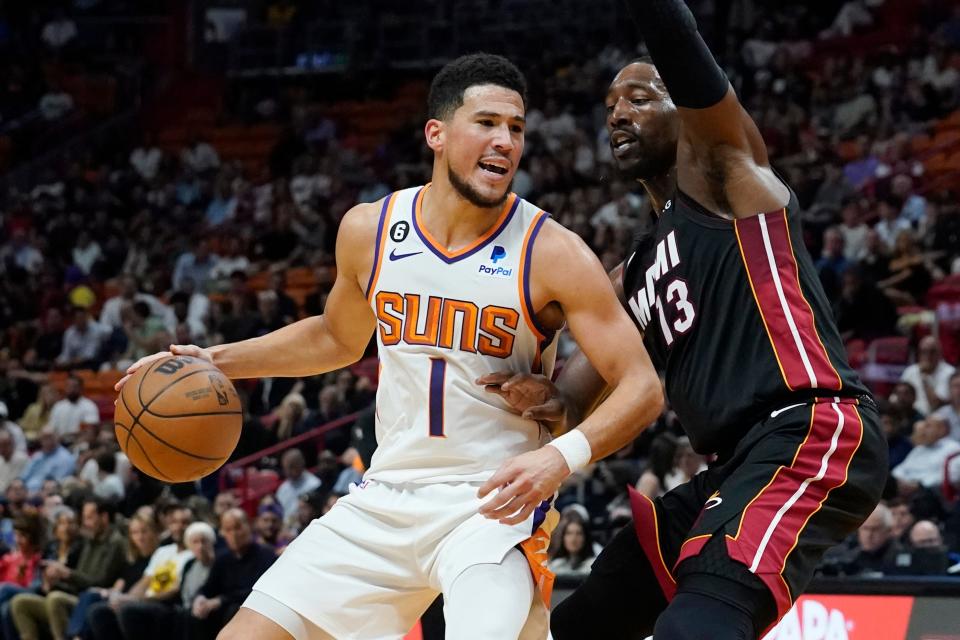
x,y
886,360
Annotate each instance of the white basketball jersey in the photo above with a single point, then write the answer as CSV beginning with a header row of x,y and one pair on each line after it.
x,y
443,320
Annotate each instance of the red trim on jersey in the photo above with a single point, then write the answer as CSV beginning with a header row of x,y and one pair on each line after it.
x,y
772,522
648,532
691,547
787,316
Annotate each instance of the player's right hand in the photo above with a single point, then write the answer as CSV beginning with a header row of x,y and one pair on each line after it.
x,y
533,396
175,350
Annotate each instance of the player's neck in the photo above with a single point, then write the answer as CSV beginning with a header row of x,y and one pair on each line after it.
x,y
452,220
661,188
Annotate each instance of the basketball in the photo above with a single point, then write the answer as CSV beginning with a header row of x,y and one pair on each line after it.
x,y
178,419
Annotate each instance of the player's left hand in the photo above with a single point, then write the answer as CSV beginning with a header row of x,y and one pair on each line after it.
x,y
524,482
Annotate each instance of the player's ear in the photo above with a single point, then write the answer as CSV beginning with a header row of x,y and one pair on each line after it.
x,y
433,131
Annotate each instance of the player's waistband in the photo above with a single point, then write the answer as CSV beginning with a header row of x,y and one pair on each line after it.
x,y
860,400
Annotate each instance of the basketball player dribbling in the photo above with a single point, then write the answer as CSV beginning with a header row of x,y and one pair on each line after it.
x,y
735,318
459,278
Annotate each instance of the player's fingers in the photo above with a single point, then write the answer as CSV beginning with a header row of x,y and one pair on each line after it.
x,y
494,388
524,513
188,350
497,377
503,475
550,411
504,511
491,508
122,381
142,362
514,380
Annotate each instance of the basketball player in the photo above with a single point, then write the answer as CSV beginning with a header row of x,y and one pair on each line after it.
x,y
734,317
459,278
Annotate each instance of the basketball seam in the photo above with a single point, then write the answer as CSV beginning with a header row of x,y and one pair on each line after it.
x,y
193,415
137,442
145,407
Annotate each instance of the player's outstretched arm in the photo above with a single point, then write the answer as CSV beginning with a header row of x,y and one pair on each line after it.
x,y
313,345
565,271
721,158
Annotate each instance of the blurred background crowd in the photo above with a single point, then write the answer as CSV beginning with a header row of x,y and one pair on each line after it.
x,y
177,173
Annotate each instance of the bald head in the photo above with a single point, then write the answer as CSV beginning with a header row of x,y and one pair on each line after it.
x,y
925,535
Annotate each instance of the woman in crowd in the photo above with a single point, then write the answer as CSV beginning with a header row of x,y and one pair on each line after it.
x,y
574,554
653,481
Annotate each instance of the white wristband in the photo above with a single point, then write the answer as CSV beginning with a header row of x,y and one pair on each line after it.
x,y
575,449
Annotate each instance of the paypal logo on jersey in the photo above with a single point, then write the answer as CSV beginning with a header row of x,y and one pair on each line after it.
x,y
499,253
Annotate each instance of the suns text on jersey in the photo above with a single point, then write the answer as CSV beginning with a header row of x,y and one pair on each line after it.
x,y
407,318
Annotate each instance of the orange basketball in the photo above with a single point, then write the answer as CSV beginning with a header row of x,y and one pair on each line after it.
x,y
178,419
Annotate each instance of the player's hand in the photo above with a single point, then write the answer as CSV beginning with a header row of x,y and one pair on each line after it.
x,y
534,397
524,482
175,350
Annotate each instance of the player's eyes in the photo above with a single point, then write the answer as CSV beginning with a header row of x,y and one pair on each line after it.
x,y
486,123
516,129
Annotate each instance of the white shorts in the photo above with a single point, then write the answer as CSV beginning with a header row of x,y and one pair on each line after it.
x,y
371,566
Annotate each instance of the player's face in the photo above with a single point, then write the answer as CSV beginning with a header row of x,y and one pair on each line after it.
x,y
642,122
481,144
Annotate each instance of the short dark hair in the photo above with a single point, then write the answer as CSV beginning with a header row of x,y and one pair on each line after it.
x,y
450,83
104,507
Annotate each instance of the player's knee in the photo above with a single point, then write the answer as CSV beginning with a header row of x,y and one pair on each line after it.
x,y
692,616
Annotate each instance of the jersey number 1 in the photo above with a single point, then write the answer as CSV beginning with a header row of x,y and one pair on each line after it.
x,y
438,372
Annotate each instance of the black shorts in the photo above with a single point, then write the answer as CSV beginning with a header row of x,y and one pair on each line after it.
x,y
800,482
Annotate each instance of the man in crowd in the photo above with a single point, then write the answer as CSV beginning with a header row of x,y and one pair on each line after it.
x,y
923,466
52,460
74,411
299,481
929,376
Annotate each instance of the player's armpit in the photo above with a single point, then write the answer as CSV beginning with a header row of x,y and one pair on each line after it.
x,y
567,272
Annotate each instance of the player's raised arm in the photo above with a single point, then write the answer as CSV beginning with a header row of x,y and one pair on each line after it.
x,y
721,157
566,272
313,345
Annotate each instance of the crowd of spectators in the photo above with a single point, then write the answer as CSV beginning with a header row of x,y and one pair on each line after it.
x,y
133,247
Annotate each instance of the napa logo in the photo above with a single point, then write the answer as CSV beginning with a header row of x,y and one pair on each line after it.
x,y
811,620
498,254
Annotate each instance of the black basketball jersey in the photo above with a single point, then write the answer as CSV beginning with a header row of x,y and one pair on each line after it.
x,y
734,318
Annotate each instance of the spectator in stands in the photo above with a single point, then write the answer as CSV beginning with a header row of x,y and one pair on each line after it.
x,y
930,376
223,206
286,306
146,158
686,464
102,559
12,461
853,230
108,485
55,104
52,460
199,156
923,466
232,575
111,316
877,548
291,417
298,481
160,581
195,265
926,538
82,341
268,525
59,32
74,412
20,565
903,519
9,426
903,400
67,544
38,413
862,311
224,501
832,262
86,253
911,272
574,555
143,537
653,480
149,620
890,225
951,410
